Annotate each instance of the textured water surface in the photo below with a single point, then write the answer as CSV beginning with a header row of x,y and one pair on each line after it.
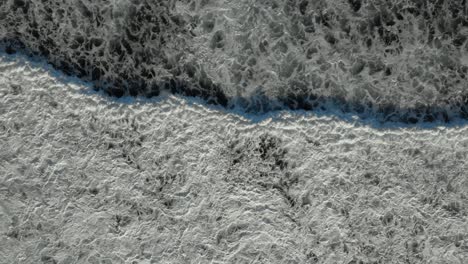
x,y
162,131
396,60
85,178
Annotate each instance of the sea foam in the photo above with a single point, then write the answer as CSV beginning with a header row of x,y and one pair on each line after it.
x,y
396,60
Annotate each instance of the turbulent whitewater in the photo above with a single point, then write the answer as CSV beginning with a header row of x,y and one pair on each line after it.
x,y
143,132
88,179
396,60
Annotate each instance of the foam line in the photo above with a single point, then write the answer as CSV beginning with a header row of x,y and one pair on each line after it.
x,y
396,62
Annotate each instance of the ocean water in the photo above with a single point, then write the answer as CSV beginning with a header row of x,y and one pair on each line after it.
x,y
396,60
88,178
233,132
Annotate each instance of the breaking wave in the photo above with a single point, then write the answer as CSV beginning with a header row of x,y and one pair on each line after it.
x,y
397,60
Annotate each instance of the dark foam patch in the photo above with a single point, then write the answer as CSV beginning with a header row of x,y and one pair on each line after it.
x,y
143,47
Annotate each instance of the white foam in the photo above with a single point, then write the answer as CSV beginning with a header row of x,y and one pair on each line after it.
x,y
88,178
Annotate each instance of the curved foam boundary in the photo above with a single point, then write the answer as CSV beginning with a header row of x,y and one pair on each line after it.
x,y
358,56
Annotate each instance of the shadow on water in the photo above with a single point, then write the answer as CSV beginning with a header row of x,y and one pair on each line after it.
x,y
261,108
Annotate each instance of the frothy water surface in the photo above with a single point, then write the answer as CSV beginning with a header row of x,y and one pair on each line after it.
x,y
400,61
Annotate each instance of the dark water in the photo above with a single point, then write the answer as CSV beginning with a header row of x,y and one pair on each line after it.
x,y
398,61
